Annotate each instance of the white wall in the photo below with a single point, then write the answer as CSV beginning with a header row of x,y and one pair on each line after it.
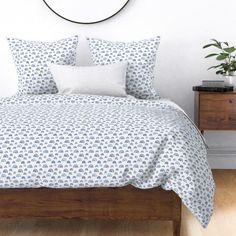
x,y
184,25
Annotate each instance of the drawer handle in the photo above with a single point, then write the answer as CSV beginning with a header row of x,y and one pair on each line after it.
x,y
230,101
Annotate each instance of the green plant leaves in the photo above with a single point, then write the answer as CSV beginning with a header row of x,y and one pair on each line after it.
x,y
214,67
220,72
226,54
212,55
216,44
210,45
230,49
222,56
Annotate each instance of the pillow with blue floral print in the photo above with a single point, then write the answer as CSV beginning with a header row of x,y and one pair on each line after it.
x,y
32,57
141,58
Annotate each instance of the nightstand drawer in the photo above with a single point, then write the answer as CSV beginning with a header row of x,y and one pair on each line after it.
x,y
217,120
221,102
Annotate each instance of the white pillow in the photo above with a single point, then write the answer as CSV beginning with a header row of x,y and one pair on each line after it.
x,y
98,80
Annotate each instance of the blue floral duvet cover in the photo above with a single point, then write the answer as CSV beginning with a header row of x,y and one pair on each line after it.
x,y
77,141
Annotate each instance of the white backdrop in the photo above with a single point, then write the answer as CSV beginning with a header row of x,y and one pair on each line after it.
x,y
184,26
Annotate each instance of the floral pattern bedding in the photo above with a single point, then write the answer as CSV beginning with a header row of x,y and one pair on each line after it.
x,y
76,141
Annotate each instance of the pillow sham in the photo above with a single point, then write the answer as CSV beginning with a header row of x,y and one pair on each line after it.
x,y
31,58
95,80
141,58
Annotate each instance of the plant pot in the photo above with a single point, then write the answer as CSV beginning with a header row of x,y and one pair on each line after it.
x,y
230,80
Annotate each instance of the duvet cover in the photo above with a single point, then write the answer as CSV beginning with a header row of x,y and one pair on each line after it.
x,y
76,141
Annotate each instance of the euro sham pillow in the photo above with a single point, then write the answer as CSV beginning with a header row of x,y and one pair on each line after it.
x,y
107,80
141,58
31,58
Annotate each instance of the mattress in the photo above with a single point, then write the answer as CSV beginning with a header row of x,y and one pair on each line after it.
x,y
77,141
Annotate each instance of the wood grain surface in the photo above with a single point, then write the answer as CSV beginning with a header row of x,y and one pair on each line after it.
x,y
215,111
93,203
222,222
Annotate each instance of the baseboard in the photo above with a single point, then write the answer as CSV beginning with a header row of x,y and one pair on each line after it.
x,y
222,158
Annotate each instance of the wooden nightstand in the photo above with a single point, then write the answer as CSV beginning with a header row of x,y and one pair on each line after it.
x,y
215,110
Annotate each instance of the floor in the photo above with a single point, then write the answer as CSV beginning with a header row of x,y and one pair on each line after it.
x,y
223,222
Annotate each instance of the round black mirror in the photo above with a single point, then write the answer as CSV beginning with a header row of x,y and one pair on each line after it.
x,y
86,11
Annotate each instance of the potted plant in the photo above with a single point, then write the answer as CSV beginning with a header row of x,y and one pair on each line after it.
x,y
227,57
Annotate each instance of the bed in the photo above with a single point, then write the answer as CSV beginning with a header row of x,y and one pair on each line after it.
x,y
87,156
